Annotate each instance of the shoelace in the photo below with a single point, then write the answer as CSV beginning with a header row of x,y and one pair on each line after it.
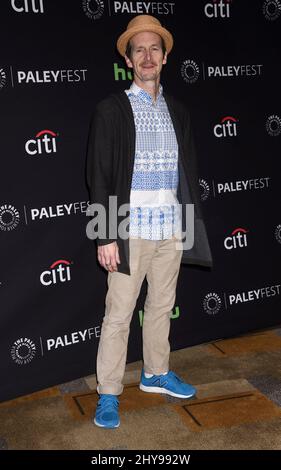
x,y
162,380
108,402
176,377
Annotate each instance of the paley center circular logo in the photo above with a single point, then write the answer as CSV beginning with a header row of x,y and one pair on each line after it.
x,y
212,303
2,78
9,217
271,9
190,71
205,189
93,8
278,233
273,125
23,351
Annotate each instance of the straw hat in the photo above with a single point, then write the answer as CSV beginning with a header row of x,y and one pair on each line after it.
x,y
140,24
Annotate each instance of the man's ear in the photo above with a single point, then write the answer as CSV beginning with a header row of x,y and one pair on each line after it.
x,y
165,58
128,62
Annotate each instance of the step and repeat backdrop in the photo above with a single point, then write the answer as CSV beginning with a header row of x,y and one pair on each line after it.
x,y
57,60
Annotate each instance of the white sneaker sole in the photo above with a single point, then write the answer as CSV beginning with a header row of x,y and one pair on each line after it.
x,y
104,426
144,388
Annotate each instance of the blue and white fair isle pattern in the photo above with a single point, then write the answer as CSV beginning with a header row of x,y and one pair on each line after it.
x,y
154,208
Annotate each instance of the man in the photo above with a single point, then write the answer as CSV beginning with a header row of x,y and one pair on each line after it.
x,y
141,150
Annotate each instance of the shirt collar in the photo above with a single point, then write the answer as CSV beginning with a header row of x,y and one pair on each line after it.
x,y
142,94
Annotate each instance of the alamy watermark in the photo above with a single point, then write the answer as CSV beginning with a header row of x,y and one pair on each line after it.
x,y
113,222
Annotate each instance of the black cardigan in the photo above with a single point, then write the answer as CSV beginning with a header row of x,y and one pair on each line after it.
x,y
110,162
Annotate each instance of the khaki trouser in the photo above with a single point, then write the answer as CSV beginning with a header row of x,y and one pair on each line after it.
x,y
159,261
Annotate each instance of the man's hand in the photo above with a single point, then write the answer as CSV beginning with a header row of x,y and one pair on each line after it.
x,y
108,256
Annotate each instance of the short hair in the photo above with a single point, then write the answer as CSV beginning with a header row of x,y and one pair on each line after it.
x,y
129,47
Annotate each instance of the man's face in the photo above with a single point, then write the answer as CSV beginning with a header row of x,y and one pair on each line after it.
x,y
147,56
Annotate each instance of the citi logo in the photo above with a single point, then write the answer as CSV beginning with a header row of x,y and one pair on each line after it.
x,y
237,239
226,128
218,9
59,272
27,6
44,142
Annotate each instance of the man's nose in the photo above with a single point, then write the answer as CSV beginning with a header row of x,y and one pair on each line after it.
x,y
147,54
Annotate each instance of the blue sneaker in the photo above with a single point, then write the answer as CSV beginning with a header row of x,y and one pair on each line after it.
x,y
170,384
107,415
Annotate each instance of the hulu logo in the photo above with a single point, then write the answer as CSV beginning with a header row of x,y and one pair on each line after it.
x,y
174,315
121,74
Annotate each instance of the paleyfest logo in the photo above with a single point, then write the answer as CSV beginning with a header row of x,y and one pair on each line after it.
x,y
273,125
190,71
212,303
278,233
23,351
271,9
2,78
205,189
9,217
93,8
